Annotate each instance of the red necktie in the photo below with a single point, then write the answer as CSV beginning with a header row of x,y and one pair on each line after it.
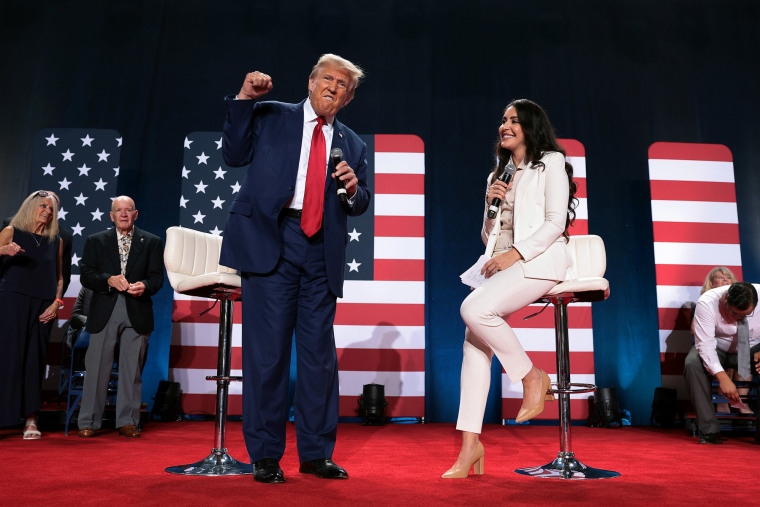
x,y
314,194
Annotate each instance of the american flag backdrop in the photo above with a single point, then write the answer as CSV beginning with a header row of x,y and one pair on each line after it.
x,y
82,167
380,321
537,333
696,227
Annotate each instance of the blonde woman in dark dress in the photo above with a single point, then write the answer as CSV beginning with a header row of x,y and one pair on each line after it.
x,y
31,291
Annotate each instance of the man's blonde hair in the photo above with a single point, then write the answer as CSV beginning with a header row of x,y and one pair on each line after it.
x,y
331,60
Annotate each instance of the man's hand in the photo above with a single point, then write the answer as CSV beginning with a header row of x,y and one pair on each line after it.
x,y
136,289
255,85
118,282
757,362
728,388
347,176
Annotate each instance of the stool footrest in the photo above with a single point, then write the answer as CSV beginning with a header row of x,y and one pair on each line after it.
x,y
228,379
574,388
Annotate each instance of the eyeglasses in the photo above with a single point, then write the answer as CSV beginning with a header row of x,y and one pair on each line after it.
x,y
42,193
737,314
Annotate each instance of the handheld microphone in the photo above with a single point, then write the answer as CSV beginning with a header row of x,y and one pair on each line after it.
x,y
336,154
506,177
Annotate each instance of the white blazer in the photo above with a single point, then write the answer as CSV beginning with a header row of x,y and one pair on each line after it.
x,y
539,219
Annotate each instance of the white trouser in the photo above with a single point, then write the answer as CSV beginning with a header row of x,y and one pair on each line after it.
x,y
485,312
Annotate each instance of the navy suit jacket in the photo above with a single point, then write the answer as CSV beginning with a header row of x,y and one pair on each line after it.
x,y
268,136
145,263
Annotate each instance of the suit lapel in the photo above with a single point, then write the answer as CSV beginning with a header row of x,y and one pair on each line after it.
x,y
138,241
524,186
112,248
338,141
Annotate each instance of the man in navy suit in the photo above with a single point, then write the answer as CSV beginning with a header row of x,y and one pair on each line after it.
x,y
286,234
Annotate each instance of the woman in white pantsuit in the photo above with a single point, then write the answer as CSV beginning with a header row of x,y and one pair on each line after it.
x,y
527,244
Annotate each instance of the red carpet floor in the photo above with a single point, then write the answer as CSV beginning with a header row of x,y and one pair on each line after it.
x,y
398,464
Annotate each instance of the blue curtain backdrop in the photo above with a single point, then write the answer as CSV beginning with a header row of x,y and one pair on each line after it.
x,y
617,76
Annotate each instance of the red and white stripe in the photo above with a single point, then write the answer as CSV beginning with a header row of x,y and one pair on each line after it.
x,y
380,324
537,334
696,227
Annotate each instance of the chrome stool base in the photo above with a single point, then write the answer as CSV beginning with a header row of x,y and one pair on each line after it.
x,y
217,463
566,466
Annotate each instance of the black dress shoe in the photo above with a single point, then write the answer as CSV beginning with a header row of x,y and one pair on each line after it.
x,y
268,470
324,468
710,438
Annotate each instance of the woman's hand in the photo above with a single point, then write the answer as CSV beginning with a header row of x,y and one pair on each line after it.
x,y
50,313
500,262
11,249
498,189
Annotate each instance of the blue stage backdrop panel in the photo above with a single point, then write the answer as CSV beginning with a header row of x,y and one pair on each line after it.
x,y
154,70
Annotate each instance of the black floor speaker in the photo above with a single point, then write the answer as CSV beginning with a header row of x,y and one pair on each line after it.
x,y
168,402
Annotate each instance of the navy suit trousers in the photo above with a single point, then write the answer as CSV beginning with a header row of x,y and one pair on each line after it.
x,y
295,297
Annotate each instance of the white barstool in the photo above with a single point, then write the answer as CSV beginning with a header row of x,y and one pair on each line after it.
x,y
585,283
192,265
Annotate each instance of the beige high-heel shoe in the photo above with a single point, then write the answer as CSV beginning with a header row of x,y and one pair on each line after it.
x,y
529,412
477,464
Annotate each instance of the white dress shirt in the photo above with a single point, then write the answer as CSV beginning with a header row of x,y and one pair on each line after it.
x,y
712,331
309,122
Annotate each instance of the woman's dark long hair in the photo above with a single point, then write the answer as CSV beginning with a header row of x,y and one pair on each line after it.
x,y
539,139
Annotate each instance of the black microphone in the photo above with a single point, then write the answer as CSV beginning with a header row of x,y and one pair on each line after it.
x,y
336,154
506,177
